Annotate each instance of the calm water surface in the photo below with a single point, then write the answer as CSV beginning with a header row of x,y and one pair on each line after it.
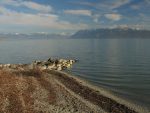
x,y
119,65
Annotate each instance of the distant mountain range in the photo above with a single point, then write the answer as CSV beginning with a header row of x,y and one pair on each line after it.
x,y
95,34
32,36
112,33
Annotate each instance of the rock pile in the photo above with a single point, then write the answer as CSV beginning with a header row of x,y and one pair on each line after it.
x,y
53,64
50,64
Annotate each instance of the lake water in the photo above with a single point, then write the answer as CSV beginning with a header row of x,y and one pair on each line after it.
x,y
119,65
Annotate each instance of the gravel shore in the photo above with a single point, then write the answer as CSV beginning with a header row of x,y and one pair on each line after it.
x,y
35,91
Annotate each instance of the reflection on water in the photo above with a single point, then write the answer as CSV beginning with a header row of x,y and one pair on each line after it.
x,y
121,65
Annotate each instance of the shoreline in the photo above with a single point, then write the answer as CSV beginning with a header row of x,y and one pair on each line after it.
x,y
61,86
109,94
99,96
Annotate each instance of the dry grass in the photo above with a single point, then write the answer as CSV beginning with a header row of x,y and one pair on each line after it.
x,y
34,91
19,91
29,72
9,92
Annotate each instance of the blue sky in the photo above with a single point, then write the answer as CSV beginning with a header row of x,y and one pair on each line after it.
x,y
62,16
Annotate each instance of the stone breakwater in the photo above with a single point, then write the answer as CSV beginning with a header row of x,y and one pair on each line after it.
x,y
50,64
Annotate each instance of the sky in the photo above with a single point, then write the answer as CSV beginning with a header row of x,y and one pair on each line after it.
x,y
68,16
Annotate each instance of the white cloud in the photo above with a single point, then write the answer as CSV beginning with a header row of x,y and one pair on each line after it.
x,y
114,17
36,6
43,18
28,4
88,13
119,3
107,4
79,12
9,17
96,17
135,7
147,1
9,2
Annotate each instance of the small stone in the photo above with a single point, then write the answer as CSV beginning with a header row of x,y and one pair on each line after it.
x,y
1,65
43,67
6,65
59,68
50,67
